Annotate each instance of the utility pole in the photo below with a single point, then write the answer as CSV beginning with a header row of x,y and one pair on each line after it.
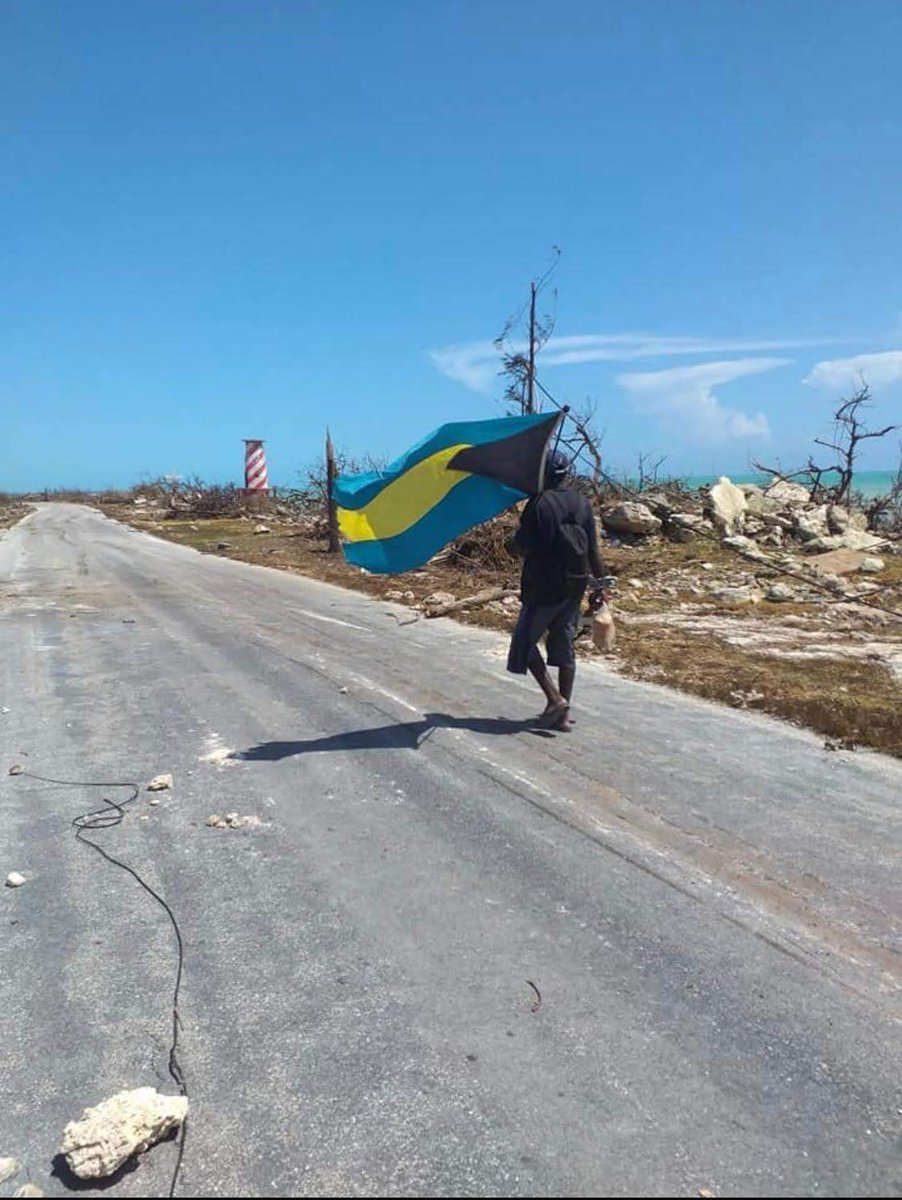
x,y
334,541
530,406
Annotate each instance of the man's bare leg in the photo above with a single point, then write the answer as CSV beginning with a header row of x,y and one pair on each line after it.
x,y
539,672
566,677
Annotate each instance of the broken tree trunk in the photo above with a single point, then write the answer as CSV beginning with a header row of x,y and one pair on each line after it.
x,y
483,597
334,541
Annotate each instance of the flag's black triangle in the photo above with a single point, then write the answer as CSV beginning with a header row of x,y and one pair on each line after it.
x,y
516,460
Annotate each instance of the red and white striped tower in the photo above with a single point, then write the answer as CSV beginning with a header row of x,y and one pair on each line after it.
x,y
255,477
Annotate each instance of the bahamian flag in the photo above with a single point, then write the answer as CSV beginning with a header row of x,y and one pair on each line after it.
x,y
462,474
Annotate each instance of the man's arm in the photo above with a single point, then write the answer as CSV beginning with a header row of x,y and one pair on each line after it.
x,y
527,536
596,566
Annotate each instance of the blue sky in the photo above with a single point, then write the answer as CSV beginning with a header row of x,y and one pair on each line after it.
x,y
222,220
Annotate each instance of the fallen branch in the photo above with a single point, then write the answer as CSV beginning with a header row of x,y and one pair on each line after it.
x,y
483,597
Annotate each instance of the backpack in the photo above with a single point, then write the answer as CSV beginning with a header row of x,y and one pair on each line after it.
x,y
571,548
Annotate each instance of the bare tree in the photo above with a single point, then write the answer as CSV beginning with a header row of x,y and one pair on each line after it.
x,y
583,442
647,467
524,393
518,361
849,431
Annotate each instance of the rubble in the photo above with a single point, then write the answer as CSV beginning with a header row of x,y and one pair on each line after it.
x,y
780,593
15,880
872,565
786,493
751,520
745,546
811,523
631,517
738,595
128,1123
160,783
233,821
439,600
728,506
683,526
835,583
852,539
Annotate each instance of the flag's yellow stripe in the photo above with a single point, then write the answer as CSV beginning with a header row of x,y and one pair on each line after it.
x,y
404,501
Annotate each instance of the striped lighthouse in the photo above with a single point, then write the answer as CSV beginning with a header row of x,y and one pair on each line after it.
x,y
255,477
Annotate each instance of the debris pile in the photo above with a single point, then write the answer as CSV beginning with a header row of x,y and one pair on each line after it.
x,y
777,527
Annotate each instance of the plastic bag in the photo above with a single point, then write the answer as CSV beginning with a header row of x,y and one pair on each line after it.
x,y
604,632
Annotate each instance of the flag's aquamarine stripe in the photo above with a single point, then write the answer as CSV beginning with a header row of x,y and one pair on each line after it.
x,y
472,501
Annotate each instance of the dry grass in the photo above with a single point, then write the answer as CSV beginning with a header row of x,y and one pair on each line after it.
x,y
853,701
856,703
12,511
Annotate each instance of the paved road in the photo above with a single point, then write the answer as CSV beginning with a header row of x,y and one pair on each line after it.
x,y
708,902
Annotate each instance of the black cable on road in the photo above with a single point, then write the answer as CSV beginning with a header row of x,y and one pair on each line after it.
x,y
111,815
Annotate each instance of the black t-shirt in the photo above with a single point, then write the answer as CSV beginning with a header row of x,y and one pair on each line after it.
x,y
542,579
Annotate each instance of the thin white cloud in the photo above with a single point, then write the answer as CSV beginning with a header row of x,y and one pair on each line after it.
x,y
474,365
684,397
477,364
838,374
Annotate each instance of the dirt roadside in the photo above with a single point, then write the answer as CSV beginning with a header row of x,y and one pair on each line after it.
x,y
831,666
12,511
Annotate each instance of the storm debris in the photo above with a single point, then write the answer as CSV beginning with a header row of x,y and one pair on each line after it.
x,y
233,821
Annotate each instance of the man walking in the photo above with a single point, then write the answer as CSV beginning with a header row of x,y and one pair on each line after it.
x,y
558,540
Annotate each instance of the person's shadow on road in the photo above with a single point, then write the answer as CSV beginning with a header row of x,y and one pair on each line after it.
x,y
403,735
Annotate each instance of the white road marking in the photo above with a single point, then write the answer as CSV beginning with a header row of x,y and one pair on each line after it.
x,y
305,612
368,683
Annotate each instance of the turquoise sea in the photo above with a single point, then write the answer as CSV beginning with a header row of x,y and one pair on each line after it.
x,y
869,483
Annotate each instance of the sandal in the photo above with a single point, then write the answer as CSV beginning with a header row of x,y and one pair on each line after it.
x,y
551,716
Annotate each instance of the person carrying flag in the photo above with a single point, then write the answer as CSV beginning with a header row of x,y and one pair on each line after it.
x,y
559,543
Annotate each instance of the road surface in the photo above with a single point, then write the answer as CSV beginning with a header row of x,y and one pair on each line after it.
x,y
707,902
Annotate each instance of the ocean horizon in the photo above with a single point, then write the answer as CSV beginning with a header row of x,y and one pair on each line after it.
x,y
868,483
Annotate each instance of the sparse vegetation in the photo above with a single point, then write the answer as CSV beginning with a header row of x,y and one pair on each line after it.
x,y
814,661
833,483
810,662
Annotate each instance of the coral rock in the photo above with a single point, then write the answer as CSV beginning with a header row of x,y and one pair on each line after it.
x,y
128,1123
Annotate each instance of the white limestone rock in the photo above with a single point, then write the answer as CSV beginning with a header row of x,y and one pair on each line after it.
x,y
128,1123
728,506
631,517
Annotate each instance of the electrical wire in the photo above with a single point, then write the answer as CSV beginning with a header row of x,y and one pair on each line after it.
x,y
108,817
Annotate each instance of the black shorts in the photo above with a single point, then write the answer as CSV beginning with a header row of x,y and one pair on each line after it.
x,y
559,621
